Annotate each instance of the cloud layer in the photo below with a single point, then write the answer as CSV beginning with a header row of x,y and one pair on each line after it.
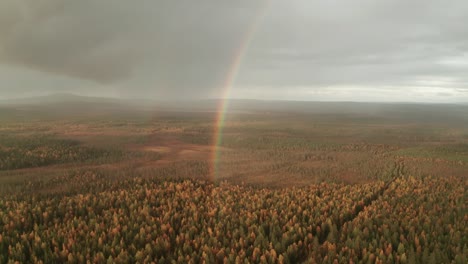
x,y
321,50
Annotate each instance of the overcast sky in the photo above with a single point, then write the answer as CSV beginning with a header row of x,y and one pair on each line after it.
x,y
365,50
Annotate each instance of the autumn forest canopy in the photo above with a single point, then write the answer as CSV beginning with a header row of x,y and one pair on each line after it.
x,y
87,179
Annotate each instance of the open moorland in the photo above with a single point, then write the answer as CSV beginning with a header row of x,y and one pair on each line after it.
x,y
108,182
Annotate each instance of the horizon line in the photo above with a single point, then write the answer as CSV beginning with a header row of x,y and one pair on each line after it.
x,y
223,99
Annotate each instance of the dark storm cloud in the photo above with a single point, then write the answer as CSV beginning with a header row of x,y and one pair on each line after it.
x,y
83,39
167,46
171,48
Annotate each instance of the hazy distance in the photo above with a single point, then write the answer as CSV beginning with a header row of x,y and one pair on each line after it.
x,y
364,50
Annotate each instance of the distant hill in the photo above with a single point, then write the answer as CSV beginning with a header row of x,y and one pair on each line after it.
x,y
62,105
58,98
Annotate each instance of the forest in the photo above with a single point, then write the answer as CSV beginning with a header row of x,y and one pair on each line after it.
x,y
286,187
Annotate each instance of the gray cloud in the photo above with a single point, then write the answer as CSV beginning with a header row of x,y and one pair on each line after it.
x,y
83,39
171,48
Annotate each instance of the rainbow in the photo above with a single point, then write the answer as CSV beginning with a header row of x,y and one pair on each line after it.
x,y
227,87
